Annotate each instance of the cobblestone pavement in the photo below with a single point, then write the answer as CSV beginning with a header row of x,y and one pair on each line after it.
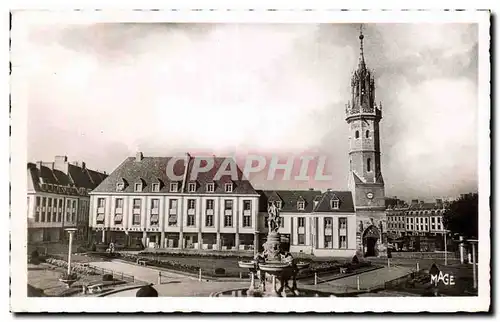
x,y
146,274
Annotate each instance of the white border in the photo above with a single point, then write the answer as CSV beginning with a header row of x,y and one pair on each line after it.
x,y
19,301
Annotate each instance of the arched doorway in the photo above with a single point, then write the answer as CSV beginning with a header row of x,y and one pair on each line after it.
x,y
370,238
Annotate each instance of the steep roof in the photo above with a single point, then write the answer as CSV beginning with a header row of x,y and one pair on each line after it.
x,y
154,170
43,177
291,197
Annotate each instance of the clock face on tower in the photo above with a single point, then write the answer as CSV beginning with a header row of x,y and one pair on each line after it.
x,y
369,195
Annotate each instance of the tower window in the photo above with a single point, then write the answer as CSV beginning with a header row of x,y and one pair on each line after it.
x,y
369,165
356,134
367,134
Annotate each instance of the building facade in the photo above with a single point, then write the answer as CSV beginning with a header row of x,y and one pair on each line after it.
x,y
313,222
140,204
58,198
366,183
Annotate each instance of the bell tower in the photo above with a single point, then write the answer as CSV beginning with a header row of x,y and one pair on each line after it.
x,y
365,181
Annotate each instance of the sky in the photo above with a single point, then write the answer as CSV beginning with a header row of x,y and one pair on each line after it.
x,y
100,93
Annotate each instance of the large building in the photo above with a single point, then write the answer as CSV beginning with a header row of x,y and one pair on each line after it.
x,y
363,116
58,198
313,222
138,203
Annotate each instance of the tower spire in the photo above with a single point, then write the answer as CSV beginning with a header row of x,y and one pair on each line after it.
x,y
361,52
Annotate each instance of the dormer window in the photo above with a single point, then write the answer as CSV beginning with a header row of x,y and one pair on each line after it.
x,y
301,205
156,187
228,187
278,204
334,203
174,186
192,187
138,187
210,187
120,186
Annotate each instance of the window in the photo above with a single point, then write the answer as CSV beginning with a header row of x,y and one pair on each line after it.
x,y
101,202
118,219
192,187
37,210
367,134
369,165
154,220
120,186
356,134
247,205
328,223
301,221
343,242
191,204
136,220
278,204
301,239
209,220
210,187
138,187
439,220
228,205
228,213
342,223
49,211
190,220
228,187
156,187
119,203
328,241
174,186
172,204
38,201
210,204
301,205
334,203
172,213
155,203
247,221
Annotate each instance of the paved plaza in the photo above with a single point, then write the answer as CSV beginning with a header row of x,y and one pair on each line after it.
x,y
141,273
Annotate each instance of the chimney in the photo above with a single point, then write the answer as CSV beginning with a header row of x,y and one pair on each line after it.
x,y
414,202
83,165
439,201
61,163
311,189
39,165
138,156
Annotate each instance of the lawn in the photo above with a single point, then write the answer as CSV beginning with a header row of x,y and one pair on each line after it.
x,y
45,278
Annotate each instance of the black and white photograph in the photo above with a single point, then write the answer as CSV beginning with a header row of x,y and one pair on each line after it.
x,y
250,159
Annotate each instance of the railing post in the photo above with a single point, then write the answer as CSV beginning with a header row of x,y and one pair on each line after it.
x,y
418,268
357,282
159,277
315,278
240,275
199,275
388,262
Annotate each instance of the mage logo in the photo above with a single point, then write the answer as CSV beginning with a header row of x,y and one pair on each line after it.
x,y
438,276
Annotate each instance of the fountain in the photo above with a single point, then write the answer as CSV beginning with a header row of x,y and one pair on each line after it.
x,y
273,265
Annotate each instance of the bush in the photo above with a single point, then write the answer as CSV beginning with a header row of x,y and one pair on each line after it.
x,y
71,276
107,277
220,271
147,291
355,260
34,254
93,247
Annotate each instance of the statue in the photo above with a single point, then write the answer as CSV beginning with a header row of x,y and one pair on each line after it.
x,y
274,220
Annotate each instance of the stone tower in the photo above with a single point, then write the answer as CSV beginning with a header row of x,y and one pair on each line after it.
x,y
365,176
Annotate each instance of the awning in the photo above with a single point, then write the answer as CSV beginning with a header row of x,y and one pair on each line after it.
x,y
118,218
154,218
100,217
172,218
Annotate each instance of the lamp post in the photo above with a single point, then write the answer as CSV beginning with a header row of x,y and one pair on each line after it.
x,y
445,248
473,243
71,231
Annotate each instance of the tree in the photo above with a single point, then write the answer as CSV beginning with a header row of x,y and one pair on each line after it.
x,y
462,216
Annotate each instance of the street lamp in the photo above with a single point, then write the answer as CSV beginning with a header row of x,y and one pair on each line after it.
x,y
71,231
473,243
445,232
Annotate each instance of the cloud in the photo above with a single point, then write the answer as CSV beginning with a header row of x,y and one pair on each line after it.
x,y
102,92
